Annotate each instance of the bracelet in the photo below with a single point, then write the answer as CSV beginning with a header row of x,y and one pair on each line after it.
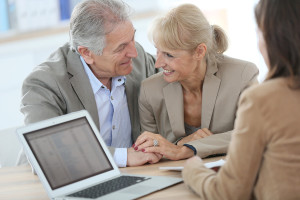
x,y
191,147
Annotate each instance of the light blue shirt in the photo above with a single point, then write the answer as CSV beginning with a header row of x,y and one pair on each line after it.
x,y
114,118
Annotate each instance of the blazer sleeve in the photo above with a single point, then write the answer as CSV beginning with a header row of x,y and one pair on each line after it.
x,y
212,145
236,178
41,100
41,97
218,142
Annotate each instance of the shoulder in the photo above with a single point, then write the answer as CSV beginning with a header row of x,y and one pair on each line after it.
x,y
152,88
227,60
272,102
143,64
268,91
62,54
241,66
139,47
142,54
55,65
236,69
58,58
155,81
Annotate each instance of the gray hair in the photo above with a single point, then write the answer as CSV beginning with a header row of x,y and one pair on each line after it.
x,y
92,20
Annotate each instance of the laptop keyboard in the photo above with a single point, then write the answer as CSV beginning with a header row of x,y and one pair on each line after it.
x,y
109,187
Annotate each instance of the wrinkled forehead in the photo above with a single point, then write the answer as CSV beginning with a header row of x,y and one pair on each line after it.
x,y
121,33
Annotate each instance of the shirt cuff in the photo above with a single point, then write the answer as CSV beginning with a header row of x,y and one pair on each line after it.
x,y
120,157
191,147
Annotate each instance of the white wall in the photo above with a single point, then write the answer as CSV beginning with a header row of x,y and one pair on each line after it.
x,y
17,59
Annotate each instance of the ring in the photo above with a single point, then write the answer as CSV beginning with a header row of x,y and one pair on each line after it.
x,y
155,143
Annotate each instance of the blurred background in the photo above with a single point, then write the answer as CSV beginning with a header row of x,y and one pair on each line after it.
x,y
30,30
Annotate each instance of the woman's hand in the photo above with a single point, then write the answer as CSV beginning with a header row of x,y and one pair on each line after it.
x,y
196,160
154,143
192,160
201,133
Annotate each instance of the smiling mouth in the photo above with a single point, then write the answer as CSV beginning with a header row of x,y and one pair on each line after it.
x,y
168,72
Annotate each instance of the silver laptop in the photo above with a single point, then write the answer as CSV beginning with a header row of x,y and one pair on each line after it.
x,y
73,162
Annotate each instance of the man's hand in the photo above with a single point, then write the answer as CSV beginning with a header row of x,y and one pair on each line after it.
x,y
137,158
201,133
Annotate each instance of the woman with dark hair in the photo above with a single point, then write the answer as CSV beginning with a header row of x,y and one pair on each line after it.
x,y
263,161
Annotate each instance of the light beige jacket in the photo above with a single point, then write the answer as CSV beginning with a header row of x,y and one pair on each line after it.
x,y
263,161
161,104
60,86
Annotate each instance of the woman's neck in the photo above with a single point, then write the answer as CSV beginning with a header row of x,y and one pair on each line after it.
x,y
194,83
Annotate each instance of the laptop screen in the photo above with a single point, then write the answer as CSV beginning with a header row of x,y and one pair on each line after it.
x,y
68,152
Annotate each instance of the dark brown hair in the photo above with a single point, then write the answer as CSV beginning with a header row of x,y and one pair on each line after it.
x,y
279,22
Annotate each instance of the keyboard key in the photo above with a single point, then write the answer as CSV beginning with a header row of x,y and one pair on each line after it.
x,y
109,187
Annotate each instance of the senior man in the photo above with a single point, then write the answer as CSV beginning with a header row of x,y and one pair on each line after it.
x,y
99,70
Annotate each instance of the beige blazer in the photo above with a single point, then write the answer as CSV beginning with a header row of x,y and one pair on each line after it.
x,y
60,86
161,104
263,160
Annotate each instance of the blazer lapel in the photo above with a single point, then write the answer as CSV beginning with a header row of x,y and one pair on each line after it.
x,y
209,94
174,103
82,86
132,91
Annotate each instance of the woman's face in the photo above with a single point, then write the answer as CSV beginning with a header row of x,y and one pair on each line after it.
x,y
178,65
262,47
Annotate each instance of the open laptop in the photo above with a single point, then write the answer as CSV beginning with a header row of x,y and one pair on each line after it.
x,y
73,162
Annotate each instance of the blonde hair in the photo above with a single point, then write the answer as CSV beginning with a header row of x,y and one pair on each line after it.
x,y
185,27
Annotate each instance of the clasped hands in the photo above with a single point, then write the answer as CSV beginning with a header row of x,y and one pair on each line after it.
x,y
149,142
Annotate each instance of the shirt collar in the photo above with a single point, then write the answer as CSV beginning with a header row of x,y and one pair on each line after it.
x,y
96,84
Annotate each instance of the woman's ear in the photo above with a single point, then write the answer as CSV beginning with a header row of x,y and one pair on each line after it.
x,y
200,51
86,54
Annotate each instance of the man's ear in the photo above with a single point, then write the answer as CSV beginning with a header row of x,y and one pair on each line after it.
x,y
86,54
200,51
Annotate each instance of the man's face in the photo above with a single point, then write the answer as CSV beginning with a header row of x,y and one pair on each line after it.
x,y
116,58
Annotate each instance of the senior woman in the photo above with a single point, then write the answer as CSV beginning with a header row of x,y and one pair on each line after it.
x,y
263,161
189,108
